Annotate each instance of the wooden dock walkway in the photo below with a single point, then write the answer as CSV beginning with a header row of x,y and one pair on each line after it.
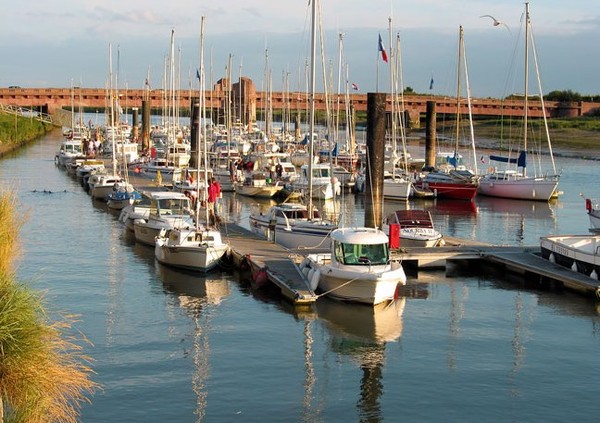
x,y
523,260
269,260
532,265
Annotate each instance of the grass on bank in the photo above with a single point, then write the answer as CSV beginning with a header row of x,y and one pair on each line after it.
x,y
44,375
17,130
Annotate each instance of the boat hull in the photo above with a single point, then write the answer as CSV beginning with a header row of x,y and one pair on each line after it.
x,y
396,190
456,191
580,253
199,258
294,236
146,231
538,189
365,284
258,192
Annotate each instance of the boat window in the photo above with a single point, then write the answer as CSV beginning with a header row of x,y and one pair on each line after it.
x,y
367,254
339,252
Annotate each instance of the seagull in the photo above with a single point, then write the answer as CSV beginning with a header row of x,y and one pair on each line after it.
x,y
495,21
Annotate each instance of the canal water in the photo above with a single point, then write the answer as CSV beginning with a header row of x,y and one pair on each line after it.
x,y
172,346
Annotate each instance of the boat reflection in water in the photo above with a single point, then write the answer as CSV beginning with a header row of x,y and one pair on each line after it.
x,y
505,206
198,295
361,333
193,287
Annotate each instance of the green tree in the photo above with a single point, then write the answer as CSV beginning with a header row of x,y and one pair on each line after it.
x,y
565,95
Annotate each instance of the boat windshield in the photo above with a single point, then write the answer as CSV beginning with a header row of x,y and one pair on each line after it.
x,y
321,172
173,206
361,254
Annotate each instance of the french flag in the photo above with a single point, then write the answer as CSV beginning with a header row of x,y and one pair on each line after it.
x,y
382,50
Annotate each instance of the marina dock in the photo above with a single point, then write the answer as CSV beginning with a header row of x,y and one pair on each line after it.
x,y
271,262
524,261
268,260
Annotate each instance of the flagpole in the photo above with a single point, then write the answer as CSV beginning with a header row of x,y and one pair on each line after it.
x,y
377,73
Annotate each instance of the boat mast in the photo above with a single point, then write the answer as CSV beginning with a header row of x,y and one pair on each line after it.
x,y
470,108
458,88
526,89
203,128
311,119
112,109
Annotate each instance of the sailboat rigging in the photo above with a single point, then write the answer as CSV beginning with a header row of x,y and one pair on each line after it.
x,y
516,183
199,248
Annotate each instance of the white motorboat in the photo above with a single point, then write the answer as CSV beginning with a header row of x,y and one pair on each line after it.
x,y
103,185
70,149
593,210
168,210
324,185
411,228
290,225
122,195
256,185
357,269
580,253
138,210
88,166
198,248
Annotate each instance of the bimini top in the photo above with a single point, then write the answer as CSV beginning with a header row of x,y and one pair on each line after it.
x,y
161,195
360,236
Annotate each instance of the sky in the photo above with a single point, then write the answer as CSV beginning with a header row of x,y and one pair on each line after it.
x,y
63,43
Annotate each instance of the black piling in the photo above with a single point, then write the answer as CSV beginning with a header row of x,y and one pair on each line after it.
x,y
376,107
134,124
195,131
430,135
145,125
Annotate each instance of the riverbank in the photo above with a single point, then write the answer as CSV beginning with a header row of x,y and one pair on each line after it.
x,y
16,131
579,140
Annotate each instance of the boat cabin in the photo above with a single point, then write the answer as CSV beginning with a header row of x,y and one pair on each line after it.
x,y
360,247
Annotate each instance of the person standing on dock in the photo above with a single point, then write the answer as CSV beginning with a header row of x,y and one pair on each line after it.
x,y
214,193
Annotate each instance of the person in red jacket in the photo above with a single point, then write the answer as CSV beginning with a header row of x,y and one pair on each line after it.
x,y
214,193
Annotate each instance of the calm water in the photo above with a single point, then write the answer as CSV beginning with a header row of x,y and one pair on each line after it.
x,y
170,346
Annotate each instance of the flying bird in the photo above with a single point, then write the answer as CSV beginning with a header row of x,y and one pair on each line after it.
x,y
495,21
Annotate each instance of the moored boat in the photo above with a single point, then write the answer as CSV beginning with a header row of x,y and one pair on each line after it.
x,y
358,268
414,229
580,253
199,249
168,209
257,185
290,225
592,207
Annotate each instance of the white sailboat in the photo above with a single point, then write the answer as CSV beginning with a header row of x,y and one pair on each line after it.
x,y
396,183
516,182
102,184
199,248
